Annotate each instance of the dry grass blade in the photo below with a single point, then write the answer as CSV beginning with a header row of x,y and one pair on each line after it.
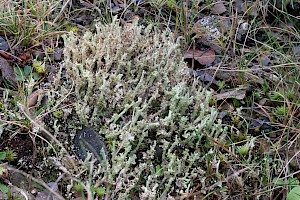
x,y
41,182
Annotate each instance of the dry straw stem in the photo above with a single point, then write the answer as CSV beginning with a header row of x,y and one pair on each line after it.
x,y
41,182
29,21
45,133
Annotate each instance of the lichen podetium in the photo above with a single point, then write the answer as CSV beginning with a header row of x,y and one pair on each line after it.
x,y
131,85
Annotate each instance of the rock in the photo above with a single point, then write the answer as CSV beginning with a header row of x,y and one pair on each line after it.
x,y
58,54
3,44
87,141
46,195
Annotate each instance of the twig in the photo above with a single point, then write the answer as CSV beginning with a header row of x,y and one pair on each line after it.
x,y
41,182
45,132
216,184
61,11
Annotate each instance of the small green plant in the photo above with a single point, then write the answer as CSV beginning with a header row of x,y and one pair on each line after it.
x,y
58,114
294,194
276,96
290,94
257,95
100,191
236,103
7,155
293,187
39,66
171,4
157,171
281,112
26,73
2,155
10,155
235,119
265,87
69,28
3,188
221,85
79,189
243,150
158,4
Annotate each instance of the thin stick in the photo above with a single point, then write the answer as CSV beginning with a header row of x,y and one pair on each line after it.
x,y
41,182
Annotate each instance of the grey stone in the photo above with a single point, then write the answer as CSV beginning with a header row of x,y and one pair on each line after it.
x,y
3,44
87,141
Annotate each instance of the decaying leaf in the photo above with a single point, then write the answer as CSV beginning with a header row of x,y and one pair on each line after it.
x,y
203,57
219,8
235,93
262,123
296,50
234,76
242,6
33,97
203,76
7,70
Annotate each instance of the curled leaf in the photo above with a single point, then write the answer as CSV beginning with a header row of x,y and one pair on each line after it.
x,y
236,93
219,8
203,57
7,70
33,97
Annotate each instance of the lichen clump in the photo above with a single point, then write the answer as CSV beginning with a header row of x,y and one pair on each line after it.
x,y
131,85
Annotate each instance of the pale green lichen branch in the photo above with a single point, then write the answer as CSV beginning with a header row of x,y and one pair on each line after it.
x,y
132,86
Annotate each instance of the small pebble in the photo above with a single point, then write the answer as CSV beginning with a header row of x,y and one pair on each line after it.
x,y
58,55
115,9
88,141
3,44
244,26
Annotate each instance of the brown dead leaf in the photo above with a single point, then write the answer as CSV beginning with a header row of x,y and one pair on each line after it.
x,y
296,50
32,99
24,59
236,93
242,6
219,8
203,57
7,70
